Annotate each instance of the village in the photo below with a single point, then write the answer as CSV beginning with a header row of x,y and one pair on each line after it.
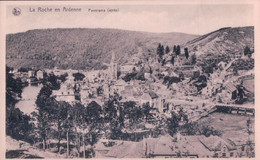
x,y
145,82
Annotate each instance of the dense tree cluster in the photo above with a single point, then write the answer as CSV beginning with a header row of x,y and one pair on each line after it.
x,y
194,128
134,75
200,83
248,52
160,50
18,125
22,69
167,80
177,50
78,76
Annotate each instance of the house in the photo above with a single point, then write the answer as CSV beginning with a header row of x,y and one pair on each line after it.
x,y
147,76
128,91
31,73
145,98
172,147
166,146
126,69
156,101
126,149
221,65
65,93
135,135
242,145
30,80
39,74
231,89
119,85
218,146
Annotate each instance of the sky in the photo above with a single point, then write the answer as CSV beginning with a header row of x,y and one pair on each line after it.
x,y
192,18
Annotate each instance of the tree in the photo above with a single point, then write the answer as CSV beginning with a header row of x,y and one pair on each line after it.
x,y
18,125
78,76
241,94
208,130
24,69
174,49
61,113
158,51
63,77
146,110
181,76
68,125
111,106
186,53
162,51
45,106
178,50
170,80
167,50
193,59
52,81
247,51
100,91
172,60
129,76
77,116
112,114
163,62
132,112
118,74
173,123
190,128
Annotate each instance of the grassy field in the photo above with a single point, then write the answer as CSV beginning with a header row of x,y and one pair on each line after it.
x,y
231,126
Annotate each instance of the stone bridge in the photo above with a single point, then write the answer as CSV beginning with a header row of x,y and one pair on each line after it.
x,y
235,109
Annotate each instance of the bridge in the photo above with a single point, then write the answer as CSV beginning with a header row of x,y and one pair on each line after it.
x,y
235,109
226,108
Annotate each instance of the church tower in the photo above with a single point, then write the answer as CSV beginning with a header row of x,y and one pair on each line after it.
x,y
113,68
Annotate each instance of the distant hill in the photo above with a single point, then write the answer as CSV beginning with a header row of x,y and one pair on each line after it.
x,y
223,41
82,48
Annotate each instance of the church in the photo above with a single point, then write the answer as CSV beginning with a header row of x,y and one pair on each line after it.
x,y
113,68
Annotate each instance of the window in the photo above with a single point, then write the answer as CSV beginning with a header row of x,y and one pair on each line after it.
x,y
215,155
231,154
243,148
223,154
62,93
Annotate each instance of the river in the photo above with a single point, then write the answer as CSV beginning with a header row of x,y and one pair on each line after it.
x,y
29,96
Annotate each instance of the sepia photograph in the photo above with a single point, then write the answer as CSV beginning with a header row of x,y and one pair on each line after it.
x,y
129,80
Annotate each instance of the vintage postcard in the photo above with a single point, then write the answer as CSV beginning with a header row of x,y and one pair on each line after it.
x,y
129,79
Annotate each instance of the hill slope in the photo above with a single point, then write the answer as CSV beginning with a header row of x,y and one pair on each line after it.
x,y
82,48
223,41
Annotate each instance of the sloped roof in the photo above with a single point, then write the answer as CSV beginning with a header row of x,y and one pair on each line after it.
x,y
127,149
164,145
153,94
237,140
194,146
215,143
230,86
145,96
